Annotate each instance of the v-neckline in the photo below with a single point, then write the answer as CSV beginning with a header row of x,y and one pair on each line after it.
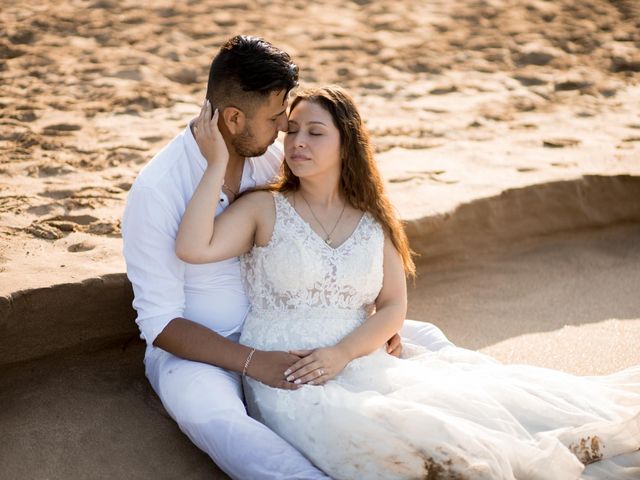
x,y
314,233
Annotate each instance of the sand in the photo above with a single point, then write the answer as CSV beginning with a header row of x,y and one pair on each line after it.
x,y
508,132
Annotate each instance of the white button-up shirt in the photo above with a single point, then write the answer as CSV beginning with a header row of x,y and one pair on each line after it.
x,y
165,287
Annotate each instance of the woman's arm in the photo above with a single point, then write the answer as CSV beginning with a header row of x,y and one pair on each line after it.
x,y
197,240
391,308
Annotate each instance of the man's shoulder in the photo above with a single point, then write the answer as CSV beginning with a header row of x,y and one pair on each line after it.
x,y
267,166
164,167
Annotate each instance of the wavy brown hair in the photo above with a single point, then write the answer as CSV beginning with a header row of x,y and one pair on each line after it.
x,y
360,181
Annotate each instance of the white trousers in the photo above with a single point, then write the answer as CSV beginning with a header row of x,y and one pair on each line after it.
x,y
207,404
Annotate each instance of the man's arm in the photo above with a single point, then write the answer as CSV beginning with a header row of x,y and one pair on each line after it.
x,y
196,342
157,276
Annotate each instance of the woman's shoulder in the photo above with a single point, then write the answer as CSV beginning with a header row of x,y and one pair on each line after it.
x,y
259,195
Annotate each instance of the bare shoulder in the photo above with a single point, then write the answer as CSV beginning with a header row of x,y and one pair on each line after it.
x,y
264,211
258,199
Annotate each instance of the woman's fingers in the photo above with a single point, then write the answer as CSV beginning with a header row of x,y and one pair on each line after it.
x,y
315,377
292,371
305,369
201,115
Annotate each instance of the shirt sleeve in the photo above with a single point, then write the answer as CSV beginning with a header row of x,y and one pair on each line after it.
x,y
149,230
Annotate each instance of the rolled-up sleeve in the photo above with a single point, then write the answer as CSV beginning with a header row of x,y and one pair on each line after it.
x,y
148,230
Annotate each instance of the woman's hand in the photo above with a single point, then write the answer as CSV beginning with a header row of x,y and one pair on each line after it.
x,y
208,137
317,366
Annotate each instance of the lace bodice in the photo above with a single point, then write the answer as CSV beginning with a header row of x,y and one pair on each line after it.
x,y
298,269
298,274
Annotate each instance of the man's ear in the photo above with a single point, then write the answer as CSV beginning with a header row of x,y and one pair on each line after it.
x,y
234,119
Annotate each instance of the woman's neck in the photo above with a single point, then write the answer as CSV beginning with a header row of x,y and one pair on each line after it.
x,y
321,192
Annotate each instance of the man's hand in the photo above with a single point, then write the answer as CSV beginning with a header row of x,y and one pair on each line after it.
x,y
317,367
268,367
394,346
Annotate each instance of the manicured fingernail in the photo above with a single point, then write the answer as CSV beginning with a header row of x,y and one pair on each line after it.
x,y
287,372
290,378
297,382
311,383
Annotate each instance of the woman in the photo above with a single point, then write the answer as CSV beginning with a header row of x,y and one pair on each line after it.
x,y
324,265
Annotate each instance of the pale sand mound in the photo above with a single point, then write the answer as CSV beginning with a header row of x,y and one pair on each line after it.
x,y
568,302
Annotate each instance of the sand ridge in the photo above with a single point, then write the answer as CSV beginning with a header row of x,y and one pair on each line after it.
x,y
493,121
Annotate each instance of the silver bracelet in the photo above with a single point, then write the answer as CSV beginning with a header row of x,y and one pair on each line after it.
x,y
246,363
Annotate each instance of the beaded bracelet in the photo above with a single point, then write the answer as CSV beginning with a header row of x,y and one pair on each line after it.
x,y
246,363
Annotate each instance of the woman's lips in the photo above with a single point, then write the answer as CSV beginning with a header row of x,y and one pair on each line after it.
x,y
298,158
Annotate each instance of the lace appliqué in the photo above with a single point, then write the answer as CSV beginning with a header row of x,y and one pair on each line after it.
x,y
297,269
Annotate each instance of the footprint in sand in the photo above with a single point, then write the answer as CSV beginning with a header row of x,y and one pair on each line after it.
x,y
7,52
57,227
560,142
84,246
433,175
60,129
564,164
153,138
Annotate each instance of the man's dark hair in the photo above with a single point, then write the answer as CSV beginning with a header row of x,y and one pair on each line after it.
x,y
246,70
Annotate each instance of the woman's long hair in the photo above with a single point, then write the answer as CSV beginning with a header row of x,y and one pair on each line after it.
x,y
360,180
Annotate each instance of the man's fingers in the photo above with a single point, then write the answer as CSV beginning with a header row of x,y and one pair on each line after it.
x,y
396,352
393,343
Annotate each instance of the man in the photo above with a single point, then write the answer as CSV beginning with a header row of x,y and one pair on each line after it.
x,y
191,315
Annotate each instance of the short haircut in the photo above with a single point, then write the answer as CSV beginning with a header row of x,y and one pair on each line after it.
x,y
246,70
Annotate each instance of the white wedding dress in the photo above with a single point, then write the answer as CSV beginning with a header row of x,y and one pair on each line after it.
x,y
454,414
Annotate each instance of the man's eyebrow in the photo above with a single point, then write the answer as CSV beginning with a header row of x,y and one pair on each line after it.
x,y
280,113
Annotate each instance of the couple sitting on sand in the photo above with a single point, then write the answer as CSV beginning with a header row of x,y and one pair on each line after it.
x,y
297,292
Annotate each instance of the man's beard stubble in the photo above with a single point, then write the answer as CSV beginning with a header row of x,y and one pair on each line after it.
x,y
245,144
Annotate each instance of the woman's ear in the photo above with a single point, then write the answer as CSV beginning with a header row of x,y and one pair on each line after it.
x,y
234,119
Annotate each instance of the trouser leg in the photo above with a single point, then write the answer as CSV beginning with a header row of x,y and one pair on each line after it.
x,y
206,403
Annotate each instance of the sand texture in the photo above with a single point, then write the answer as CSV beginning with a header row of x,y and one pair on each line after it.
x,y
508,132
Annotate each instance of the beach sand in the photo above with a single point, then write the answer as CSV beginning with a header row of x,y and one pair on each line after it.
x,y
508,132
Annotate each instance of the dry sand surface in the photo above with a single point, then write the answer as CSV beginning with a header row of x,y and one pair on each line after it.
x,y
508,132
